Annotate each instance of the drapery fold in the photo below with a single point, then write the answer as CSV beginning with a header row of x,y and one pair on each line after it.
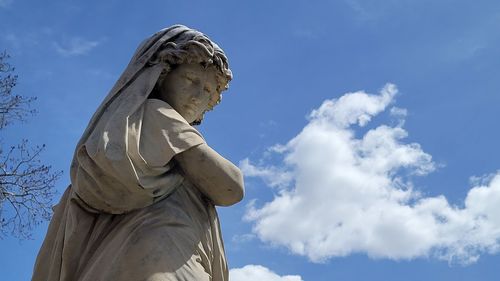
x,y
129,213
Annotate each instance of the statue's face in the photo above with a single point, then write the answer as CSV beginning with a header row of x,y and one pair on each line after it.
x,y
189,88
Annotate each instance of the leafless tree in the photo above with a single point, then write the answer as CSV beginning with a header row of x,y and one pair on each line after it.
x,y
26,185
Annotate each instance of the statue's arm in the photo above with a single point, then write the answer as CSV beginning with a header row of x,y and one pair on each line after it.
x,y
218,178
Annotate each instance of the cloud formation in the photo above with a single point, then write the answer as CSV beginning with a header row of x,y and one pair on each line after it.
x,y
340,193
75,46
258,272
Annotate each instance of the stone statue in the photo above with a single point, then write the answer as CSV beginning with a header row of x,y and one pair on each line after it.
x,y
144,183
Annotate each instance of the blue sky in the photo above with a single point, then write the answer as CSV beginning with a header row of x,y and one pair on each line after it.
x,y
367,129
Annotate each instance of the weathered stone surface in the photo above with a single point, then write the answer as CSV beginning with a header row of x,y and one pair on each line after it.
x,y
144,184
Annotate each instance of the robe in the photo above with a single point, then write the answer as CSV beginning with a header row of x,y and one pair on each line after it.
x,y
153,225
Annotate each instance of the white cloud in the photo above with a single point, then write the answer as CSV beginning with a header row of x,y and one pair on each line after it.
x,y
271,175
398,112
260,273
247,237
75,46
349,194
354,108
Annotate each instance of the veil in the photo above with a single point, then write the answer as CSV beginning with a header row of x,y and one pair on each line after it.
x,y
107,172
121,165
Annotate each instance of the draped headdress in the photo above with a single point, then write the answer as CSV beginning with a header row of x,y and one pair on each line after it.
x,y
109,172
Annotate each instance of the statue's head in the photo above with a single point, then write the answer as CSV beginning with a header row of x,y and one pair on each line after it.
x,y
195,74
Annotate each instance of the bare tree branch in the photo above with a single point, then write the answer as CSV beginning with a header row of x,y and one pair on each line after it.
x,y
26,185
12,107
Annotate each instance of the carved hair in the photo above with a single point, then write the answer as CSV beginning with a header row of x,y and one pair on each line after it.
x,y
194,47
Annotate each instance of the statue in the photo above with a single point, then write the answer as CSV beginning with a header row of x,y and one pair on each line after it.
x,y
144,183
